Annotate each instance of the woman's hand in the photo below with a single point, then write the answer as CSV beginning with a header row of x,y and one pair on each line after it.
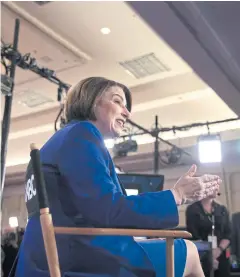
x,y
189,189
215,264
217,253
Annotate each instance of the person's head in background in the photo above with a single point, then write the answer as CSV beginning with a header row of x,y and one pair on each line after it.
x,y
11,240
105,103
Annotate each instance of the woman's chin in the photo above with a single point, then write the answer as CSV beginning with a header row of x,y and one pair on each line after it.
x,y
112,134
117,132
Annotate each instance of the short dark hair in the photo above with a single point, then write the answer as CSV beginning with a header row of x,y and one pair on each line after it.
x,y
81,98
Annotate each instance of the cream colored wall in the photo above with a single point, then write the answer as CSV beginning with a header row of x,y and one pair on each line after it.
x,y
14,205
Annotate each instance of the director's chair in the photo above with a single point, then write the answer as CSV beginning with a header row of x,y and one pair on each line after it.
x,y
49,230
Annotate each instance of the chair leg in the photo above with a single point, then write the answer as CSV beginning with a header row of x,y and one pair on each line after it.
x,y
170,256
50,243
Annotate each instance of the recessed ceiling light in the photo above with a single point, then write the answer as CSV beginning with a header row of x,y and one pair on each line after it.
x,y
105,31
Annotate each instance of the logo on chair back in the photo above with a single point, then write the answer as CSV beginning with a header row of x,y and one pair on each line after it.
x,y
30,191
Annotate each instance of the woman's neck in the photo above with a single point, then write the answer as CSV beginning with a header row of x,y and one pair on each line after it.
x,y
207,204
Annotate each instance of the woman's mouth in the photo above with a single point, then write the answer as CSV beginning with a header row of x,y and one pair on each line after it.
x,y
120,122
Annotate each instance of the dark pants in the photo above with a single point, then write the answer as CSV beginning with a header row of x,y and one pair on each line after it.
x,y
10,256
223,268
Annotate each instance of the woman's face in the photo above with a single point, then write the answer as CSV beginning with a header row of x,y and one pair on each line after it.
x,y
111,112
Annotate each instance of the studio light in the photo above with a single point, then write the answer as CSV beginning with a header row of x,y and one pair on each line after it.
x,y
121,149
118,170
210,149
13,222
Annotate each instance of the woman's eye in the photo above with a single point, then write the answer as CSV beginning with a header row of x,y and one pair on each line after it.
x,y
117,101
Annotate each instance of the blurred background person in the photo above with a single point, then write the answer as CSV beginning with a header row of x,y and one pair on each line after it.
x,y
10,249
235,244
209,221
2,259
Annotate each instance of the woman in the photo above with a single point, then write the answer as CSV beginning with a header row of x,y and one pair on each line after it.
x,y
84,191
208,219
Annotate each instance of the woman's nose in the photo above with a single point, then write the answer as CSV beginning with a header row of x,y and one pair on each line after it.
x,y
125,113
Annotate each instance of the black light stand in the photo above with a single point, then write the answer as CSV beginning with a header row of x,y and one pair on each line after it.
x,y
155,133
8,106
156,146
59,99
25,62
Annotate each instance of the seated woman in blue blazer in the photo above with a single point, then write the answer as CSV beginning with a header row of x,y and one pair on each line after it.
x,y
84,191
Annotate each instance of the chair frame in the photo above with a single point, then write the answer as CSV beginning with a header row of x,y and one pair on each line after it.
x,y
49,231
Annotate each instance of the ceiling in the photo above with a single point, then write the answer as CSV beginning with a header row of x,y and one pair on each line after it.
x,y
65,37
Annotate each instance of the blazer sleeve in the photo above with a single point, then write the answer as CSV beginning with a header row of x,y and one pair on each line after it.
x,y
84,168
191,222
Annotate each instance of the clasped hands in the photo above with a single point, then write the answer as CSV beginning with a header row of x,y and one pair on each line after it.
x,y
216,254
190,189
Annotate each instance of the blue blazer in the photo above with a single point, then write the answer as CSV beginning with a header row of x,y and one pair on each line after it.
x,y
84,191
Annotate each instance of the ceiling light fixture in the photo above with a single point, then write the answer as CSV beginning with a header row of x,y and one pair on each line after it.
x,y
105,31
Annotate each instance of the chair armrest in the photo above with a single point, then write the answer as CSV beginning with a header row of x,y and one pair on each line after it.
x,y
122,232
